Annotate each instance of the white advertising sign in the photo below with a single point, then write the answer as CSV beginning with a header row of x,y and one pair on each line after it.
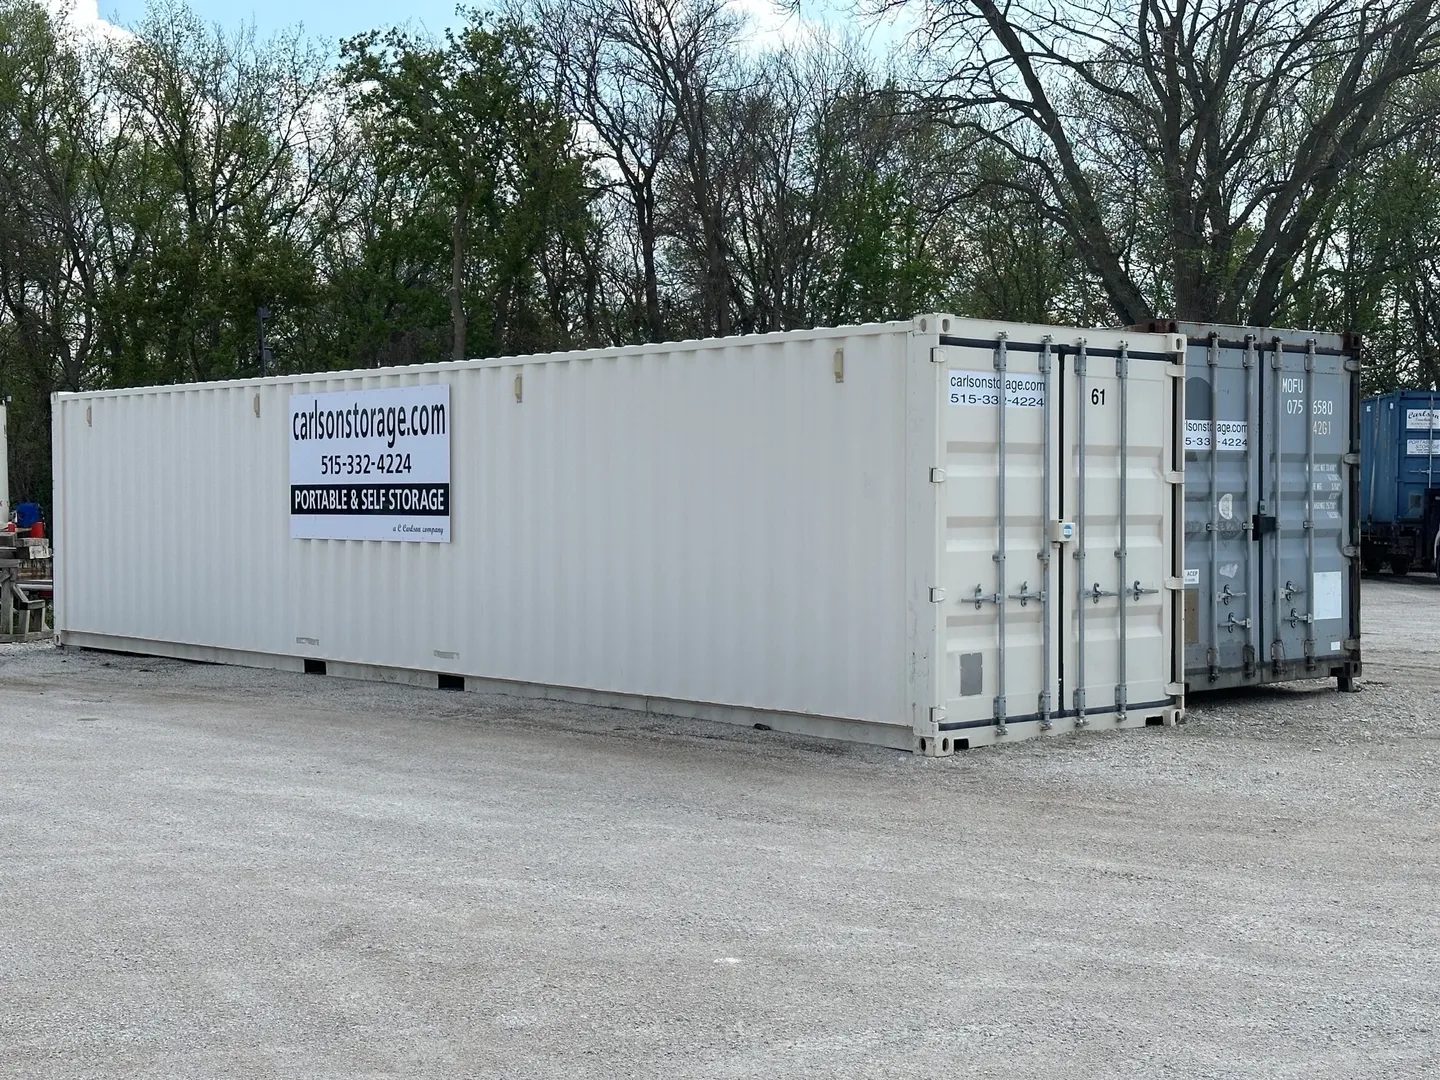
x,y
371,464
1422,419
1231,434
983,388
1422,447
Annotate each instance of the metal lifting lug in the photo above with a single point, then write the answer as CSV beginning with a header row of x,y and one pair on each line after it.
x,y
1025,595
1096,593
980,597
1136,592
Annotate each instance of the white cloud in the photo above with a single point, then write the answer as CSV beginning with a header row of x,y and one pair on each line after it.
x,y
769,25
83,16
773,25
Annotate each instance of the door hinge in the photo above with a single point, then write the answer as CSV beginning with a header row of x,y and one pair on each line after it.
x,y
1352,365
937,354
937,476
1175,689
937,595
1174,476
1350,551
1350,459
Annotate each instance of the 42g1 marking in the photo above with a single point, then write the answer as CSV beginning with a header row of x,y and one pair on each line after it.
x,y
364,464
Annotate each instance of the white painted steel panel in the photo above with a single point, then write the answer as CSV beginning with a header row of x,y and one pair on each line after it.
x,y
1042,580
746,528
720,522
1146,651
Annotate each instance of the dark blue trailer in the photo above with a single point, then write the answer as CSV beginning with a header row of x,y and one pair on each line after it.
x,y
1400,480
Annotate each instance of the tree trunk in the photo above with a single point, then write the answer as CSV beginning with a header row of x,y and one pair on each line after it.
x,y
645,207
459,245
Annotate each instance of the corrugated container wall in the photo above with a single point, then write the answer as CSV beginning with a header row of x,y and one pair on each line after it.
x,y
840,532
1271,495
1400,481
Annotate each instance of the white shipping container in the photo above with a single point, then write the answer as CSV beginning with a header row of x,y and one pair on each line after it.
x,y
839,532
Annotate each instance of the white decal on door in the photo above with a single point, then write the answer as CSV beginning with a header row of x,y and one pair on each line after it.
x,y
1328,594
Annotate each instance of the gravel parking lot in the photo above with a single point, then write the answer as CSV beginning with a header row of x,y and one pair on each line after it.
x,y
222,872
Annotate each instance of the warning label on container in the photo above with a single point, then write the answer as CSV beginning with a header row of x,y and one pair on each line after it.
x,y
983,388
1231,434
1422,419
1422,447
1192,577
371,464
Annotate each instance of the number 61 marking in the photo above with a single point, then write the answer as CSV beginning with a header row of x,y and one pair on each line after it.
x,y
1097,396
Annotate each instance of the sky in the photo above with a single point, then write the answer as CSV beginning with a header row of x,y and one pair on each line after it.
x,y
334,20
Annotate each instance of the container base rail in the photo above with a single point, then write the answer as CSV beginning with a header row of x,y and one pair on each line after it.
x,y
893,736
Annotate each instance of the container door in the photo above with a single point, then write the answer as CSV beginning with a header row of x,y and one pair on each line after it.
x,y
1304,538
999,489
1119,432
1221,496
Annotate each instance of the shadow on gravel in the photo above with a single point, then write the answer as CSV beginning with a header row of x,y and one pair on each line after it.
x,y
1420,581
1276,692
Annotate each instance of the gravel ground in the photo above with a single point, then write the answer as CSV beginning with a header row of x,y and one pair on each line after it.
x,y
221,872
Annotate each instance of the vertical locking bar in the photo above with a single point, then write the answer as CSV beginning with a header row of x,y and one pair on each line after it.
x,y
1310,502
1080,365
1000,365
1252,440
1429,450
1044,555
1212,523
1122,376
1277,493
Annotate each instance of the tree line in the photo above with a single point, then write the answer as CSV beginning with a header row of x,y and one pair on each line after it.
x,y
555,174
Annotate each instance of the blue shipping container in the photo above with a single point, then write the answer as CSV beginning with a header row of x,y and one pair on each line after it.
x,y
1400,480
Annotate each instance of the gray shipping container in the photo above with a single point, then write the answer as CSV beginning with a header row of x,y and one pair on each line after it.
x,y
1272,455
